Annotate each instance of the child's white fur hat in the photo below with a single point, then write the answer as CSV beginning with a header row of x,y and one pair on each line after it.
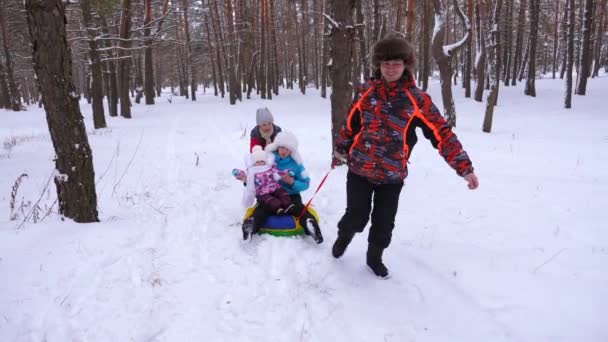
x,y
288,140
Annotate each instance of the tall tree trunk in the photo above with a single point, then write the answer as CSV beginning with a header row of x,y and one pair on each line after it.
x,y
218,52
564,38
99,119
570,59
235,84
524,64
269,69
555,37
585,70
124,62
341,54
325,54
494,59
190,58
578,41
213,60
411,5
377,22
304,66
74,177
508,53
480,65
5,99
466,77
443,57
398,16
426,44
158,75
519,41
15,97
263,64
362,41
275,51
111,72
148,59
530,88
599,34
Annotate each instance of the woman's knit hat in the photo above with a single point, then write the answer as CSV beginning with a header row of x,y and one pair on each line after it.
x,y
263,115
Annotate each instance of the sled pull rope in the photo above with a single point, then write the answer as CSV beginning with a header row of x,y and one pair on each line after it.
x,y
313,195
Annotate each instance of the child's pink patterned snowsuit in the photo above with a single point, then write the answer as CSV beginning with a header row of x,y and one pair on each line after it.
x,y
268,191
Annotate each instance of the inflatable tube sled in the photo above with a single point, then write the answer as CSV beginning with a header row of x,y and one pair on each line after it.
x,y
281,225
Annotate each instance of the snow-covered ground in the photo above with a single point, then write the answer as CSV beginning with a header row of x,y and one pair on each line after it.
x,y
523,258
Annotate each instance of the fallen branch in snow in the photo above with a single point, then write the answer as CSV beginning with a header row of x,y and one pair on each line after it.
x,y
548,260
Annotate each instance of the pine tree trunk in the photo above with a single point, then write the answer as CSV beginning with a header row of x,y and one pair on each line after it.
x,y
218,52
411,5
524,64
148,59
110,66
468,66
564,34
494,61
570,59
599,35
304,66
530,88
426,44
75,177
124,62
341,55
139,76
362,41
158,75
377,22
235,84
269,69
444,58
325,54
99,120
508,53
555,38
211,57
519,41
189,57
480,66
585,70
5,100
275,51
263,62
14,96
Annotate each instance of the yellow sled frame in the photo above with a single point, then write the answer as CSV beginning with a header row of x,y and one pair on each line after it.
x,y
298,230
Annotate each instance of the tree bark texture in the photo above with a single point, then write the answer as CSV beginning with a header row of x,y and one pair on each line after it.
x,y
74,178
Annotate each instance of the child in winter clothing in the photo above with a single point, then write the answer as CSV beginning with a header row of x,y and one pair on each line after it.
x,y
294,180
263,183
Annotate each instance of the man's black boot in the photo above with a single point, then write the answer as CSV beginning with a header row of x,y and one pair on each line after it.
x,y
374,261
344,238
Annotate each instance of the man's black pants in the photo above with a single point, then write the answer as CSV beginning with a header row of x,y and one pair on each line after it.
x,y
359,196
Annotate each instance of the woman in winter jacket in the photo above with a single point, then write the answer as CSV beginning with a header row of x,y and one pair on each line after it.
x,y
377,139
265,131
